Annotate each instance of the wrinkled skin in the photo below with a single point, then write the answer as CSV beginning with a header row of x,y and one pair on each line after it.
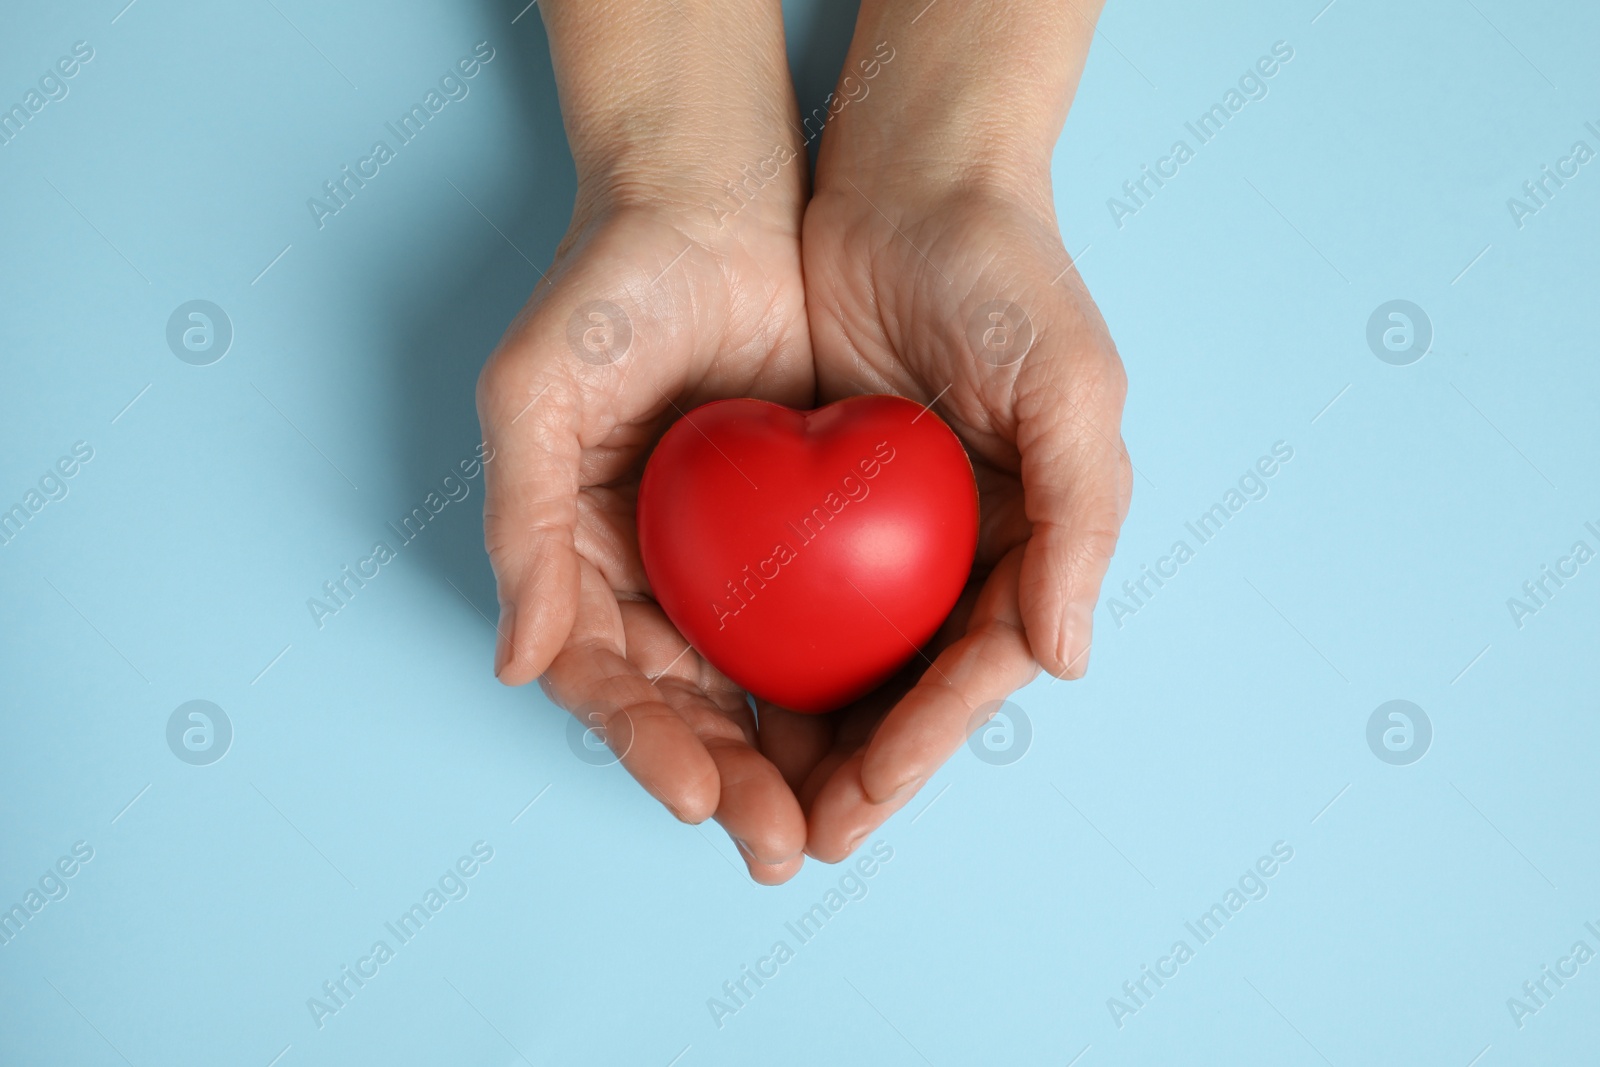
x,y
892,287
570,440
933,200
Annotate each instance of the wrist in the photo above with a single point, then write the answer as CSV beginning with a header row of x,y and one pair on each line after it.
x,y
684,106
925,108
712,192
937,162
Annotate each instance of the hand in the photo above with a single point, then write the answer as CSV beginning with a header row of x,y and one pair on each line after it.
x,y
703,299
935,270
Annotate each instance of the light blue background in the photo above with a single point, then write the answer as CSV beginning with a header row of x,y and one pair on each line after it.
x,y
1223,717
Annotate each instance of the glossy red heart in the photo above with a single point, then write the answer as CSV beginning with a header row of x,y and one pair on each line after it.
x,y
808,554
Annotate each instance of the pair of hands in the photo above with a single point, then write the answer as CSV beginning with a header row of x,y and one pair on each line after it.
x,y
928,214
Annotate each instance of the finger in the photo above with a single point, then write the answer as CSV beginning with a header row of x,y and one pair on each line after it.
x,y
608,536
592,677
988,663
755,805
1002,518
1076,480
923,730
852,728
841,816
775,873
530,508
818,779
795,743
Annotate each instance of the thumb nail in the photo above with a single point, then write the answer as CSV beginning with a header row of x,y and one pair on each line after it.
x,y
904,790
506,627
1077,632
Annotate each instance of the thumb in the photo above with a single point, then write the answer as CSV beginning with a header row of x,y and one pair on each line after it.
x,y
1076,484
530,509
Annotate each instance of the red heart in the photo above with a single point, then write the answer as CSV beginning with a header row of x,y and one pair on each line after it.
x,y
808,554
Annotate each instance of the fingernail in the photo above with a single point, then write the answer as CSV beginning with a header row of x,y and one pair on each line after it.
x,y
855,842
506,627
1077,632
749,853
906,788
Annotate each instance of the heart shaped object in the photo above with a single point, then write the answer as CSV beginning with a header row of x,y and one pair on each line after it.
x,y
808,554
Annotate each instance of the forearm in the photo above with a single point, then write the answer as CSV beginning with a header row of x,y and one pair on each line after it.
x,y
674,98
974,94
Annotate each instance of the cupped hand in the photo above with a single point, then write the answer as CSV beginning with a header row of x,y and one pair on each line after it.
x,y
933,268
649,310
959,293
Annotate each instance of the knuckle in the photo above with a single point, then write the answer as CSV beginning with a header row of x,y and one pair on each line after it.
x,y
1093,540
1116,377
1124,470
501,377
512,378
1101,385
1095,544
